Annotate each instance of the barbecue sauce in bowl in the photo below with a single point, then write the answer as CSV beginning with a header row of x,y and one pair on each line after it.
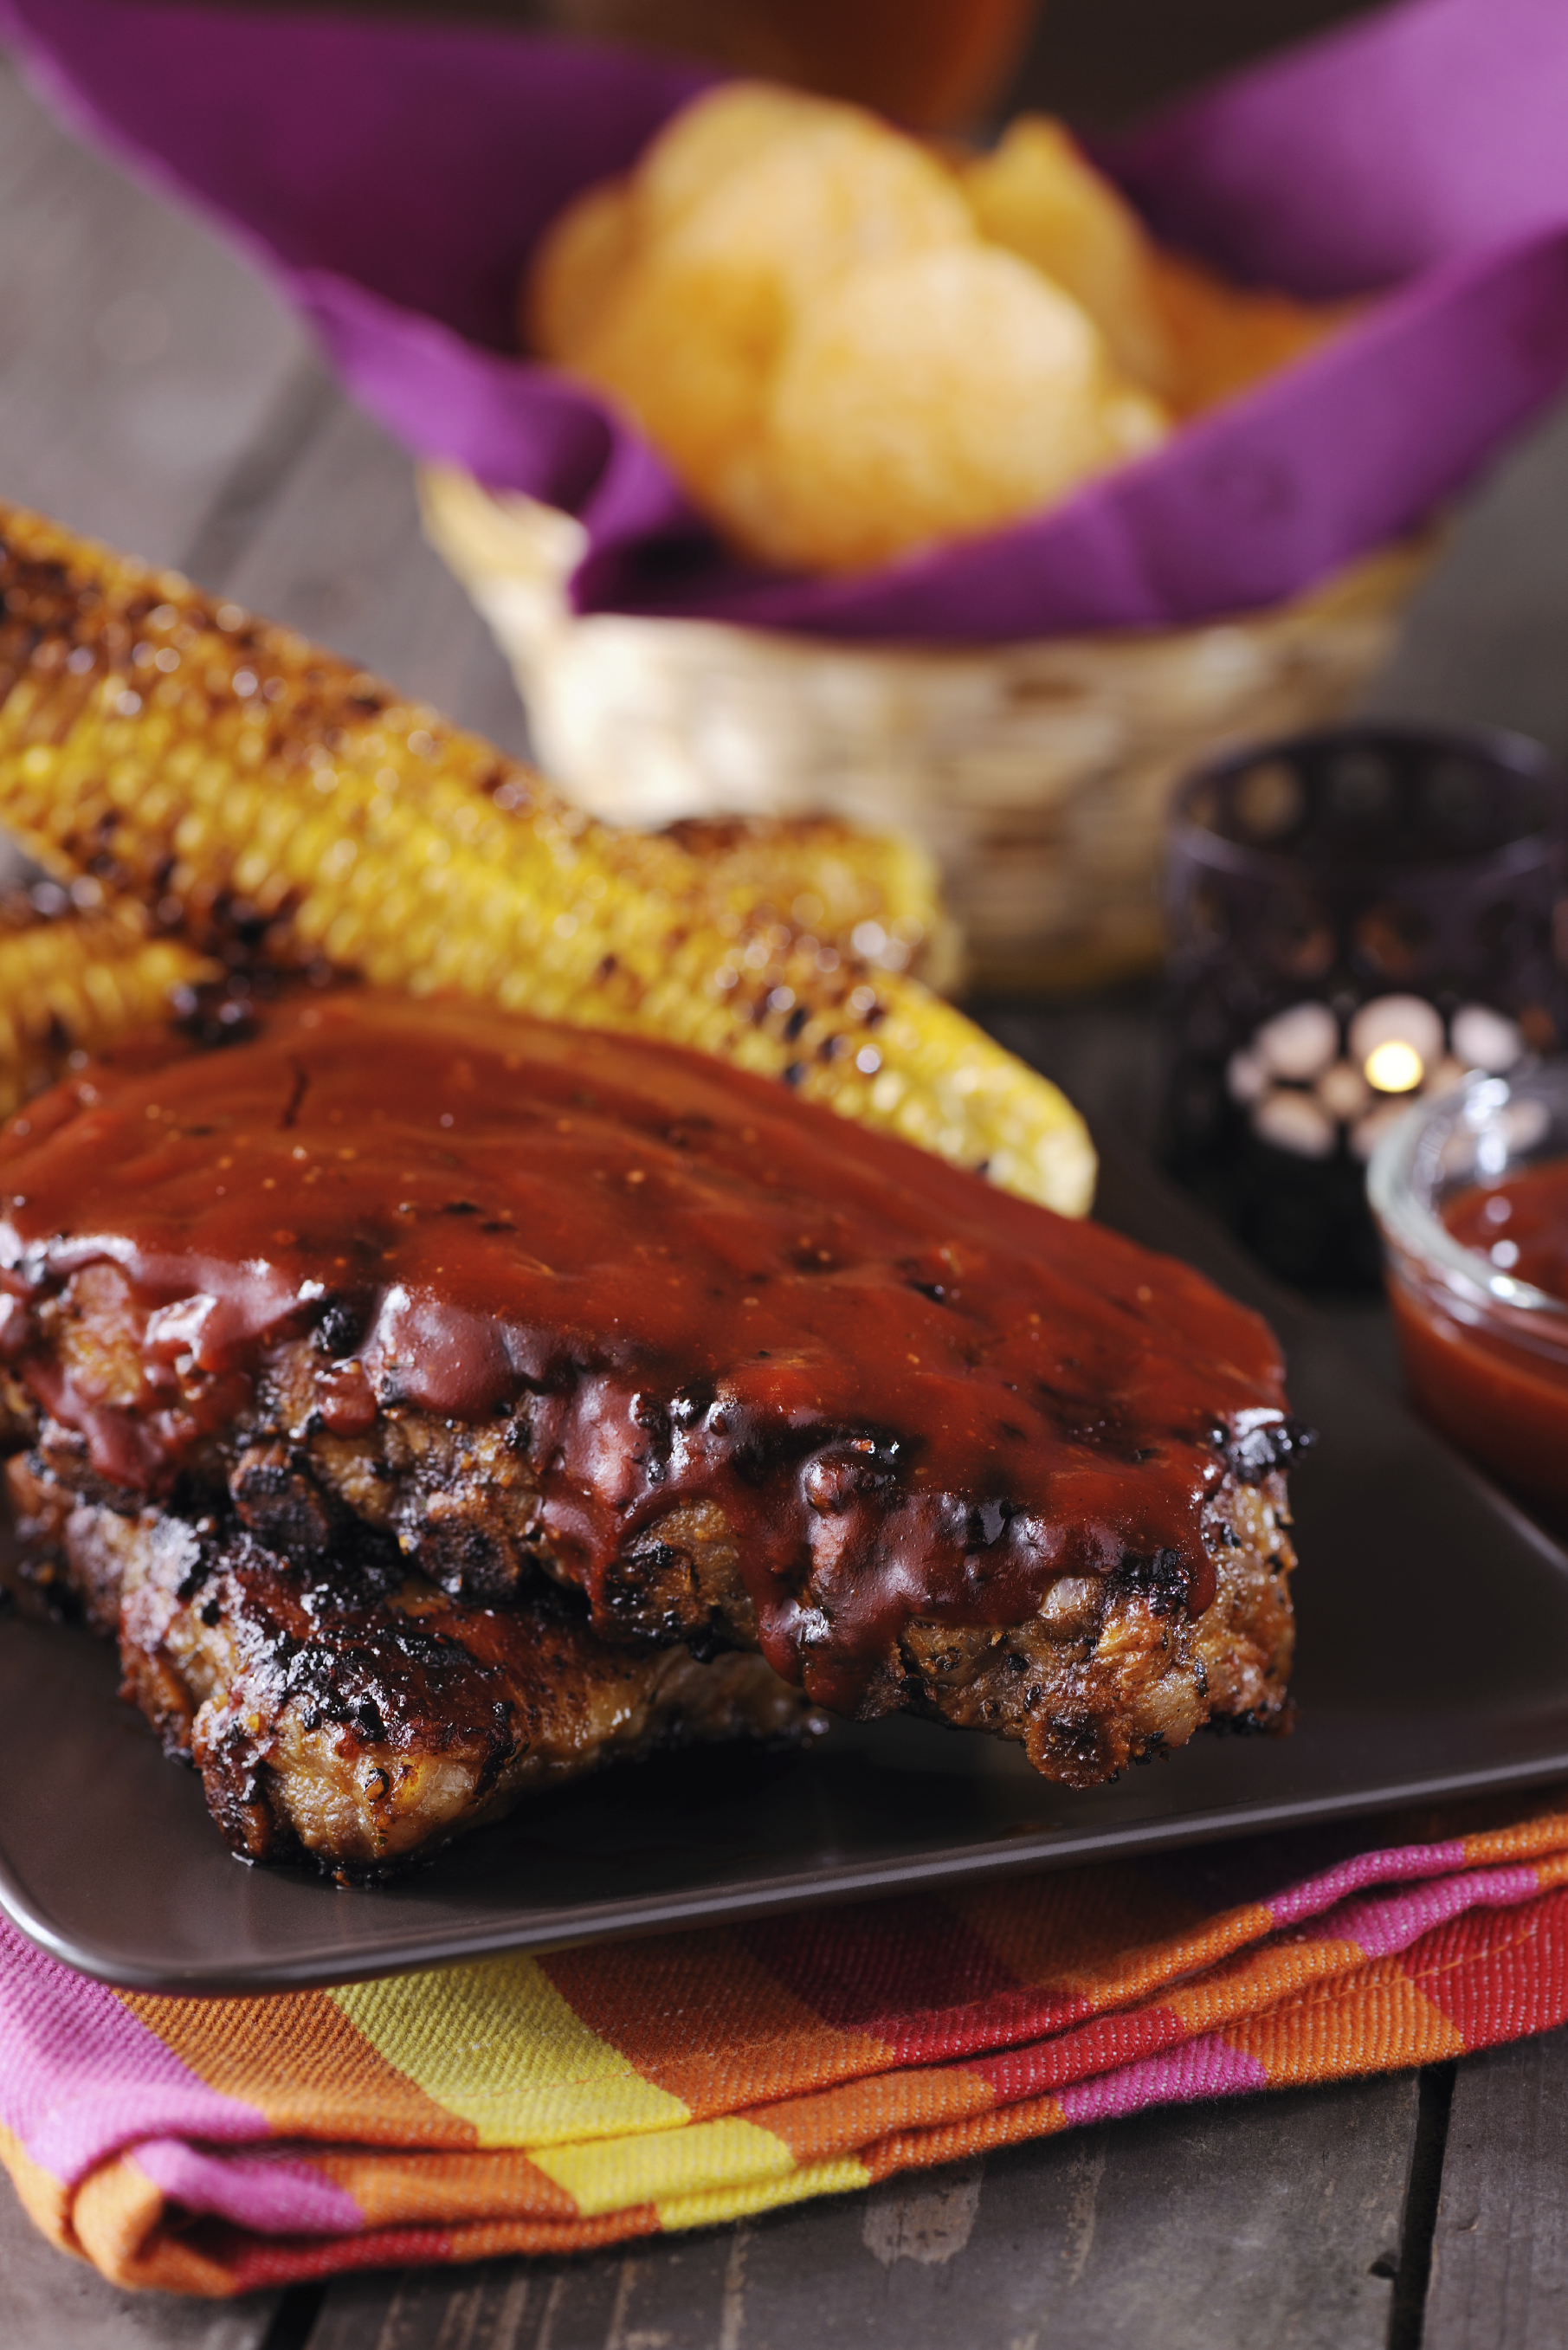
x,y
1495,1380
1521,1224
911,1393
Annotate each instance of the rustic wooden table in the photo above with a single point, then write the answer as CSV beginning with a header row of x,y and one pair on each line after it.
x,y
152,391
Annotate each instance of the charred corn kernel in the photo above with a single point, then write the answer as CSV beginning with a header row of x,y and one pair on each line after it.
x,y
76,983
876,893
224,805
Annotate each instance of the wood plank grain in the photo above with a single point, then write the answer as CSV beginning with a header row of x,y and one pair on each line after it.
x,y
337,554
1276,2219
1499,2254
139,358
49,2302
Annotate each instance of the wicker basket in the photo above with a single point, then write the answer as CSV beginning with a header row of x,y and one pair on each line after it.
x,y
1038,772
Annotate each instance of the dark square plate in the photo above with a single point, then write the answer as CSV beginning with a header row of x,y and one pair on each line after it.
x,y
1433,1660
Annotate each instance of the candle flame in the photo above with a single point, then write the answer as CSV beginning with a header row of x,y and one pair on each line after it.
x,y
1394,1066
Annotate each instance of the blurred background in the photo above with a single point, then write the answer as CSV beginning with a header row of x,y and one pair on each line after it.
x,y
1096,61
154,393
198,358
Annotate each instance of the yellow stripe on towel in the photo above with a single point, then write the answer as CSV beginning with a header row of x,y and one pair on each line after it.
x,y
725,2155
497,2045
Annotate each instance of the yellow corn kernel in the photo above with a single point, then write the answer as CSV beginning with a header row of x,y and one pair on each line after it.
x,y
875,893
77,982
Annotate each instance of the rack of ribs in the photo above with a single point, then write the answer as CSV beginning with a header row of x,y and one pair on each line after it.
x,y
436,1400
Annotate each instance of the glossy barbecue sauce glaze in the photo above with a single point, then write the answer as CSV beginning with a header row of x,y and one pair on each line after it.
x,y
1499,1386
1519,1225
911,1394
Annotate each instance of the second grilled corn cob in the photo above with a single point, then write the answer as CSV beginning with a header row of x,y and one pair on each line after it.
x,y
266,799
74,982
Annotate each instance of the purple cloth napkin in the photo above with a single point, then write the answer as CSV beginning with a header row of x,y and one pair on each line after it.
x,y
394,177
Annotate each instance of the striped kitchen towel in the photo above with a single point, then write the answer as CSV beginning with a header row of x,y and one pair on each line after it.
x,y
540,2105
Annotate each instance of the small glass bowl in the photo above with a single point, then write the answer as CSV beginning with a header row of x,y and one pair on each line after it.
x,y
1485,1354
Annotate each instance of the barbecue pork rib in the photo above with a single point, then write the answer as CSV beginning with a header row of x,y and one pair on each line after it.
x,y
350,1711
505,1303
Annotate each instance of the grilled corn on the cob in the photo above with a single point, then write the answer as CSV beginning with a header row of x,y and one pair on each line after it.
x,y
74,982
875,893
266,799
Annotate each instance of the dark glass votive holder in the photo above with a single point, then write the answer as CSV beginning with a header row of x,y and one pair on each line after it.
x,y
1355,918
